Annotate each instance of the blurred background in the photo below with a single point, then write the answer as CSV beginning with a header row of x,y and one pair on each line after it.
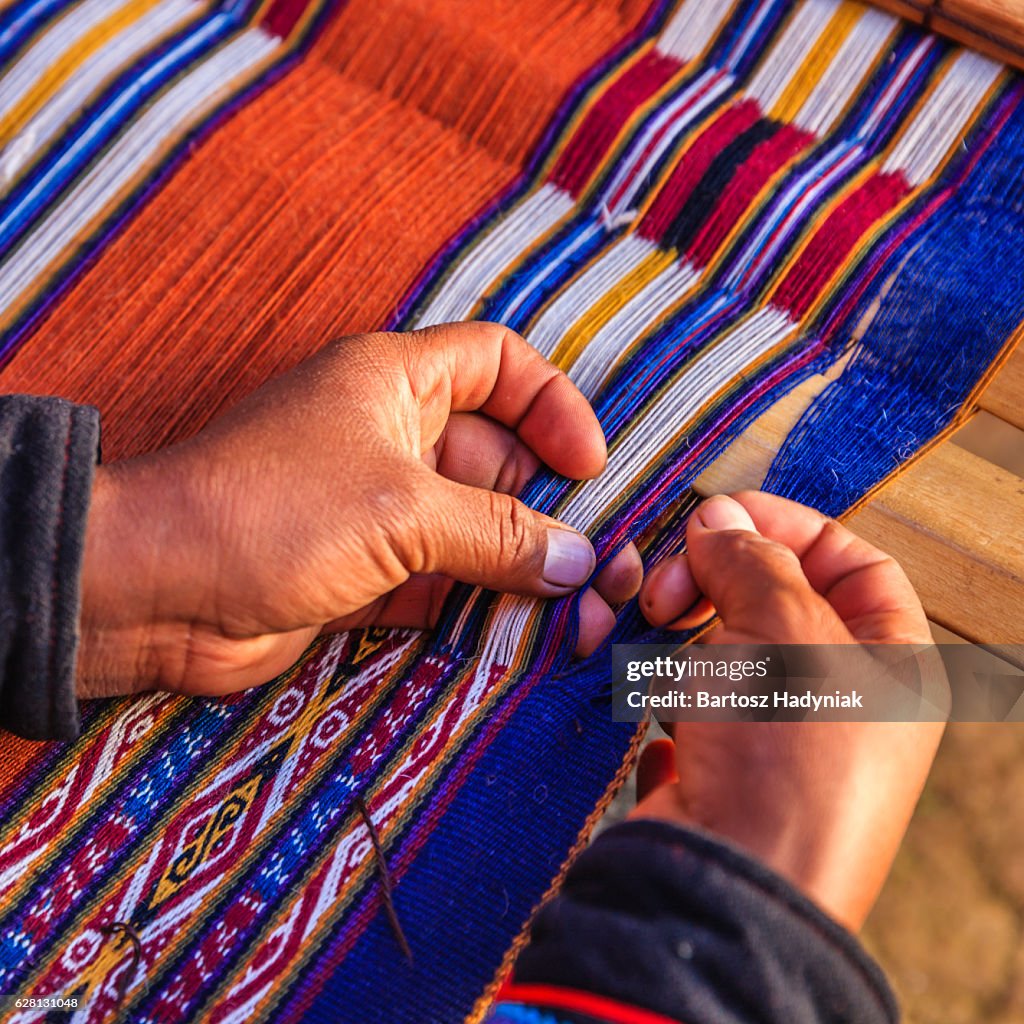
x,y
949,927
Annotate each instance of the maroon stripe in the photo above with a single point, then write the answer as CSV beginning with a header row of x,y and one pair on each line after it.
x,y
603,123
283,16
835,239
747,182
695,162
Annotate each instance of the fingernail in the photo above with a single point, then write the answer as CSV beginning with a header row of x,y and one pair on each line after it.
x,y
670,592
723,513
570,559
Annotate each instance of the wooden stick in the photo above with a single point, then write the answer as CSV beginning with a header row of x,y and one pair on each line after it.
x,y
994,27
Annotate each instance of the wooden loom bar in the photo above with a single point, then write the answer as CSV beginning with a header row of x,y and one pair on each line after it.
x,y
1004,397
966,558
994,27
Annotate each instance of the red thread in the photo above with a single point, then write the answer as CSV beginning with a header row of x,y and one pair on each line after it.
x,y
767,158
555,998
695,162
606,118
835,239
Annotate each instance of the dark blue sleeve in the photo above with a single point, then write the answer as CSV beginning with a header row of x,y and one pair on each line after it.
x,y
677,924
48,450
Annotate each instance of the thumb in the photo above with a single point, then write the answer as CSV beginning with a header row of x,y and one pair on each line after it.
x,y
757,585
495,541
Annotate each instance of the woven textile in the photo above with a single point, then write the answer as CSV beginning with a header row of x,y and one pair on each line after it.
x,y
691,207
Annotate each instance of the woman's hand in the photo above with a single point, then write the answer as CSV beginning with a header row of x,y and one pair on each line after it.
x,y
825,804
349,492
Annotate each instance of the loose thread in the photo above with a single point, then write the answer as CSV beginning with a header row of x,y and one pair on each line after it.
x,y
126,929
386,883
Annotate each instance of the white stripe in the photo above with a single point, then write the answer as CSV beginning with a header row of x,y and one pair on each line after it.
x,y
692,27
895,88
940,122
608,346
494,253
57,40
580,294
120,51
714,368
505,631
784,59
183,104
842,78
546,270
673,412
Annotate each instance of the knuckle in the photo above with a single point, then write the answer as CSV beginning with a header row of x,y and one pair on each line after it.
x,y
835,534
517,466
514,526
753,548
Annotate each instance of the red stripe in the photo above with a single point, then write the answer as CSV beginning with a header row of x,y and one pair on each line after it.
x,y
603,123
551,997
658,136
746,183
691,168
835,240
283,16
896,239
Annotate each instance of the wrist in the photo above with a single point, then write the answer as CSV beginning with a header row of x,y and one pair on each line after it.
x,y
812,843
135,573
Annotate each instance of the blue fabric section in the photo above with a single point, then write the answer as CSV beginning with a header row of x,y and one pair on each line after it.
x,y
513,1013
464,897
949,298
18,23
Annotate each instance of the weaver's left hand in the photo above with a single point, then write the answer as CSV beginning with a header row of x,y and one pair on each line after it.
x,y
349,492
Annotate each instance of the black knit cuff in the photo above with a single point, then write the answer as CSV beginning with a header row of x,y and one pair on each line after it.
x,y
48,451
685,926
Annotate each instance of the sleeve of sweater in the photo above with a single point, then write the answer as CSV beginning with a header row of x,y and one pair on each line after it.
x,y
48,450
656,924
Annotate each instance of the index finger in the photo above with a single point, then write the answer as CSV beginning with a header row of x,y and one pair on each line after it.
x,y
865,585
486,367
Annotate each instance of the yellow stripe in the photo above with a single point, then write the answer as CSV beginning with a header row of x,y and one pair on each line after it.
x,y
48,84
583,330
806,77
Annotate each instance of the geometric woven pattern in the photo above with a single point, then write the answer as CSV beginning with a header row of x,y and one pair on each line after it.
x,y
690,208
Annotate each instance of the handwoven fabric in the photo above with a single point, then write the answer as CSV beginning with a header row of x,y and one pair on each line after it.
x,y
691,207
